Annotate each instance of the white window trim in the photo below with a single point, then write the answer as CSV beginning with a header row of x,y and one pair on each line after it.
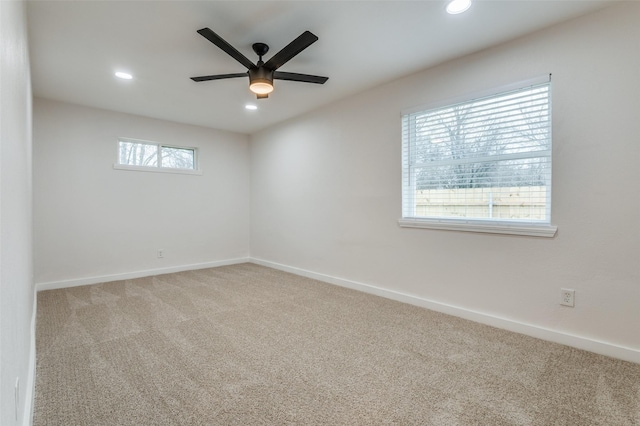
x,y
158,169
117,166
489,226
528,229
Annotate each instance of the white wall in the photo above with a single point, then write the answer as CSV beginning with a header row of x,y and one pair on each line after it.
x,y
94,223
326,192
16,267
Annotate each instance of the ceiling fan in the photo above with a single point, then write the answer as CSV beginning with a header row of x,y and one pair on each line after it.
x,y
262,74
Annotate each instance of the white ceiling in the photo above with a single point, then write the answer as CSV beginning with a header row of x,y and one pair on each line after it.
x,y
76,46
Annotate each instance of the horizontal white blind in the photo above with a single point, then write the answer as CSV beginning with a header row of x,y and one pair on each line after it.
x,y
487,158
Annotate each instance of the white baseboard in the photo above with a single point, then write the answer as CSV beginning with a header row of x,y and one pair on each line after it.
x,y
580,342
52,285
29,398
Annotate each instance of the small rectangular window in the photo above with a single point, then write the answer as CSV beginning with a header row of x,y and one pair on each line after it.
x,y
485,161
151,156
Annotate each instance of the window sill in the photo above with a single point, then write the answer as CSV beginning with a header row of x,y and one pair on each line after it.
x,y
531,230
157,170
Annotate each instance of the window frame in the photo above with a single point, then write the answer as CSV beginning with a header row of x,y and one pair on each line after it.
x,y
481,225
159,168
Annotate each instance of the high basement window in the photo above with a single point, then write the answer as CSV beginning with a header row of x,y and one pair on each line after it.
x,y
151,156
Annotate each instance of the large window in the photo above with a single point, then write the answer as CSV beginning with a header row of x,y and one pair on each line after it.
x,y
483,164
151,156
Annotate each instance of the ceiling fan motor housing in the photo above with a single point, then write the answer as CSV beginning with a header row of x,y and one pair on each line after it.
x,y
261,80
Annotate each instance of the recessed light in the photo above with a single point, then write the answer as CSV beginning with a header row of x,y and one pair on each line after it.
x,y
124,75
458,6
251,107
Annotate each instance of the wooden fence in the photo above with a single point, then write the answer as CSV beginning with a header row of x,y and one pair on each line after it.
x,y
525,202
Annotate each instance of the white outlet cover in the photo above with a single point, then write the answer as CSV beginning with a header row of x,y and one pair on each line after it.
x,y
567,297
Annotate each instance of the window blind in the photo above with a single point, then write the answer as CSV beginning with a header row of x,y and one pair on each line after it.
x,y
487,158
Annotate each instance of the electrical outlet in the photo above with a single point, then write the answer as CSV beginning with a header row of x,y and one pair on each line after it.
x,y
160,253
567,297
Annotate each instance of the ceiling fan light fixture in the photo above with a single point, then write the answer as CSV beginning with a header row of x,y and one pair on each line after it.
x,y
261,87
261,81
458,6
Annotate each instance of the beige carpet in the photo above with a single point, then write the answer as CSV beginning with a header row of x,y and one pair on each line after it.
x,y
249,345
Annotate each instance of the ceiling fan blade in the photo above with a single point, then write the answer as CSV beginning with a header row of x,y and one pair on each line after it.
x,y
219,76
303,41
305,78
222,44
